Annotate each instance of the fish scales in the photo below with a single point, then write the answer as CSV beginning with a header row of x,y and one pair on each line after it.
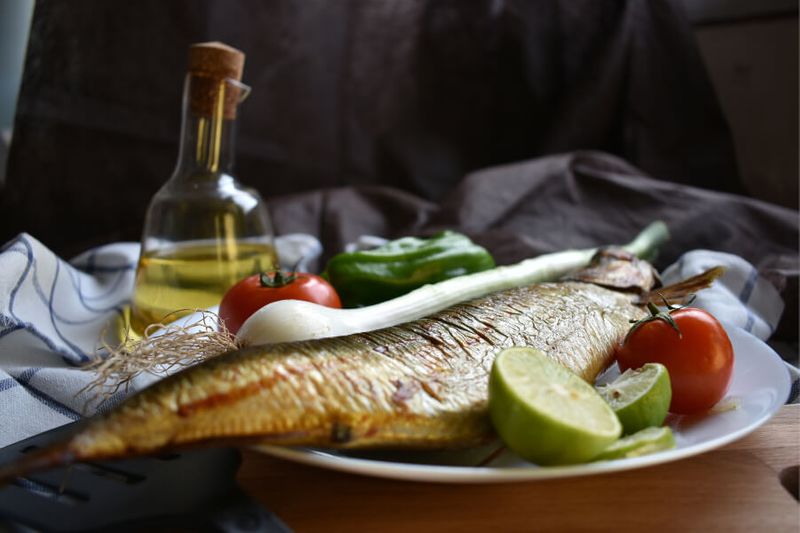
x,y
420,384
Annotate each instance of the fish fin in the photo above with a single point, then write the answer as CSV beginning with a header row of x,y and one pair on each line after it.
x,y
677,293
618,269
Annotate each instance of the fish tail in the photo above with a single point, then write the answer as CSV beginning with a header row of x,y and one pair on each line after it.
x,y
677,293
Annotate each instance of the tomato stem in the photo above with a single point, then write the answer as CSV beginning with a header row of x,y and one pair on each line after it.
x,y
658,314
276,279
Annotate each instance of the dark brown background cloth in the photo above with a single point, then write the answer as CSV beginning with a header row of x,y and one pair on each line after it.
x,y
575,200
412,94
378,116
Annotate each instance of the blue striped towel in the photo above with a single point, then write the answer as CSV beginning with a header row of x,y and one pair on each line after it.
x,y
52,313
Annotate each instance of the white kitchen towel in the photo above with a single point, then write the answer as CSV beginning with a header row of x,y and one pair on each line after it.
x,y
52,313
742,297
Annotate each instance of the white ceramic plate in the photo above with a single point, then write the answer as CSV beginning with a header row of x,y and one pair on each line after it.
x,y
759,388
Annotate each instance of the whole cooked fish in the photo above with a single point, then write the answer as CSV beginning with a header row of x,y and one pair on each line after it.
x,y
420,384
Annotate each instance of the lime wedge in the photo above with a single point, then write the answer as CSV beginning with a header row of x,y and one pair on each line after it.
x,y
640,397
544,412
646,441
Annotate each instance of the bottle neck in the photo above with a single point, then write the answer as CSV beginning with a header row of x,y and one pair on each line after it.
x,y
207,129
206,146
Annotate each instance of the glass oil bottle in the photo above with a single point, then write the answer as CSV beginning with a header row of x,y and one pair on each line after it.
x,y
203,231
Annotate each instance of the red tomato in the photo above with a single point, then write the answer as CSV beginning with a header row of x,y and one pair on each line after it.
x,y
699,359
254,292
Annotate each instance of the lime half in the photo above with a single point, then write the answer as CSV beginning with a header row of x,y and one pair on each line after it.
x,y
644,442
640,397
544,412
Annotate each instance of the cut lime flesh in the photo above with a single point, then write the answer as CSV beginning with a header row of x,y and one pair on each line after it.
x,y
644,442
544,412
639,397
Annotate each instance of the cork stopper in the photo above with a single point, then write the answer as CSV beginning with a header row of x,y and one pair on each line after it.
x,y
210,64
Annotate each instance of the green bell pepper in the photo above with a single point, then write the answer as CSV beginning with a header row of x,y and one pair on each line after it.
x,y
400,266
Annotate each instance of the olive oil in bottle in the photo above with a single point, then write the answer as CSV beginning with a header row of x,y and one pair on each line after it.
x,y
203,231
191,276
